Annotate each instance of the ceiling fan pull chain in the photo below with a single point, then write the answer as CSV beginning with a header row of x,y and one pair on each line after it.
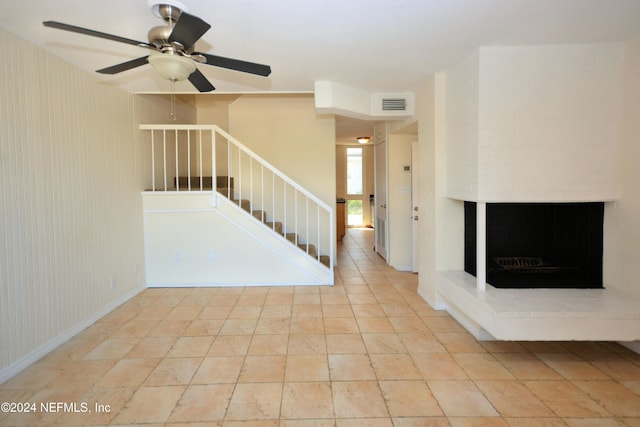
x,y
173,101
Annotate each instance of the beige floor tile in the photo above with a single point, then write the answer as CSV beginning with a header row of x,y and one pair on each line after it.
x,y
268,344
173,371
438,366
565,399
276,312
307,400
512,399
215,313
394,367
409,399
350,367
306,367
614,397
151,348
128,373
103,403
345,344
204,327
169,328
282,300
526,366
112,348
368,309
421,422
421,343
307,344
367,352
477,422
340,325
372,325
383,343
459,342
461,399
245,312
262,369
440,324
337,310
482,366
188,346
535,422
134,328
358,399
307,423
184,312
150,405
365,422
218,370
408,324
255,402
572,367
239,327
202,402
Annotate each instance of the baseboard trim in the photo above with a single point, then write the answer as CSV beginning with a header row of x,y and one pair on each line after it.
x,y
27,360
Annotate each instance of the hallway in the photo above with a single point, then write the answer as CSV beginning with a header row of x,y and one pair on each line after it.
x,y
367,352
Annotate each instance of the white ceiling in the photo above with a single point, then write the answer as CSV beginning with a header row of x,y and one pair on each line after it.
x,y
374,45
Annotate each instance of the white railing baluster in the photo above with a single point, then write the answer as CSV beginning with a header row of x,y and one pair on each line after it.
x,y
320,234
200,158
214,175
153,162
177,167
164,151
189,160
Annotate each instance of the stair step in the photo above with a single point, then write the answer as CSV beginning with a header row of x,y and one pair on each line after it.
x,y
244,204
275,226
326,260
310,249
291,237
260,215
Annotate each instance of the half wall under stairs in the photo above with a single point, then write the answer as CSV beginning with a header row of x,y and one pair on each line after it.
x,y
205,239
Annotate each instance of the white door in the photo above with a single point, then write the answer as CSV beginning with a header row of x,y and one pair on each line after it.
x,y
380,154
415,211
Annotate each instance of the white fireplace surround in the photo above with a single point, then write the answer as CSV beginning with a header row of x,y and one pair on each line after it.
x,y
536,124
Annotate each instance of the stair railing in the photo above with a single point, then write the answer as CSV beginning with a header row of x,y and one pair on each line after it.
x,y
198,158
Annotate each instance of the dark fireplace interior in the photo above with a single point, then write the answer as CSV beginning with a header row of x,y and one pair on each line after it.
x,y
539,245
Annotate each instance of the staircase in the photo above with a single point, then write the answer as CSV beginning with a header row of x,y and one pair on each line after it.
x,y
192,154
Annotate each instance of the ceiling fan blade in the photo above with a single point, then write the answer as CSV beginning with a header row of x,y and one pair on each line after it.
x,y
236,64
114,69
86,31
188,30
200,82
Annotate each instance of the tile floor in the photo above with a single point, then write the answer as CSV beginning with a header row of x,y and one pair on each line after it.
x,y
366,352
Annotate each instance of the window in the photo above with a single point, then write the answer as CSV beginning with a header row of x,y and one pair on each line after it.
x,y
355,211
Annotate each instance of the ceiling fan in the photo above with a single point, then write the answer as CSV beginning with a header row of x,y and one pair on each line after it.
x,y
173,43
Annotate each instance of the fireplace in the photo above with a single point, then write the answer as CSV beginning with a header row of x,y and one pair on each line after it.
x,y
539,245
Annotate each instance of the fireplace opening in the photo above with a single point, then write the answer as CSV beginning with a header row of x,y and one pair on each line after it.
x,y
539,245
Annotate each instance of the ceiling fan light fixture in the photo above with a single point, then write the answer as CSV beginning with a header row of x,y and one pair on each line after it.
x,y
363,139
172,67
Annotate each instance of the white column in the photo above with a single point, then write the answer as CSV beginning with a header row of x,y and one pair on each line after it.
x,y
481,246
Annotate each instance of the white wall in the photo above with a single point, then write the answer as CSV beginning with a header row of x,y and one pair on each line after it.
x,y
622,217
399,201
286,131
462,104
70,207
441,240
548,124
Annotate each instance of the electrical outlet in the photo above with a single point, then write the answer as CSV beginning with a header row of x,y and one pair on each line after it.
x,y
113,283
178,256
